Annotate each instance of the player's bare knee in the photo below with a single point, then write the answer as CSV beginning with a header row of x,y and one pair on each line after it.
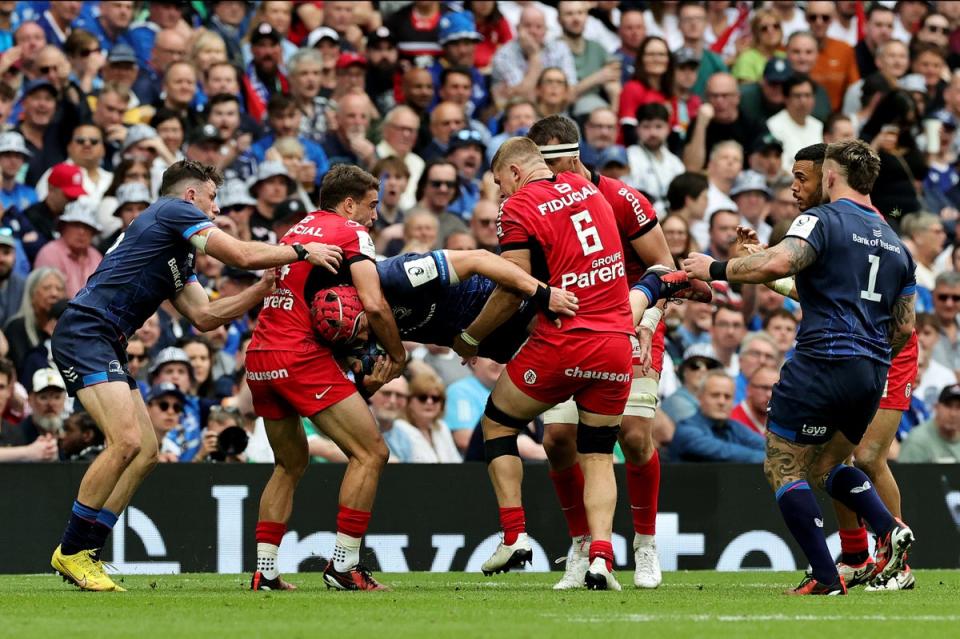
x,y
870,459
636,441
560,447
596,439
127,448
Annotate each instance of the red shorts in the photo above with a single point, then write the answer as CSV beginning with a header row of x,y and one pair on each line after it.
x,y
656,349
595,368
287,383
900,378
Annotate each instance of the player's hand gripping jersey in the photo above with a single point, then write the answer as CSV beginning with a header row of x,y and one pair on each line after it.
x,y
574,243
285,323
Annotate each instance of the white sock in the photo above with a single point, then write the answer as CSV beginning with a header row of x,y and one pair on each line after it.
x,y
267,560
346,552
642,540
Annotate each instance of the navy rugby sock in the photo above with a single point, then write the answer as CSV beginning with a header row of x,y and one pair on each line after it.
x,y
77,535
805,521
106,520
852,488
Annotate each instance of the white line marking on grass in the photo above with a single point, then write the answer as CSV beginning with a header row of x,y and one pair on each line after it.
x,y
641,618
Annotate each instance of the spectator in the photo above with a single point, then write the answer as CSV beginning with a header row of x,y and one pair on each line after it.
x,y
844,26
169,46
494,28
795,127
598,73
108,117
111,27
165,405
727,333
179,93
934,29
351,75
946,304
395,177
47,399
72,253
263,75
57,21
752,197
305,71
930,64
236,203
698,359
400,128
86,151
878,31
936,440
86,60
764,99
271,187
225,20
43,448
279,15
720,119
893,61
383,57
202,355
552,92
632,32
782,325
909,15
13,154
600,133
120,68
518,116
791,17
726,160
836,67
692,18
418,93
685,103
459,39
348,144
225,440
711,435
132,200
483,225
768,42
416,28
926,239
128,171
465,151
935,376
802,55
652,166
446,118
203,145
284,121
517,65
430,438
65,185
11,282
173,365
467,397
420,233
766,158
437,189
756,350
223,112
80,439
30,38
783,206
752,410
652,81
677,233
387,406
206,50
687,198
39,109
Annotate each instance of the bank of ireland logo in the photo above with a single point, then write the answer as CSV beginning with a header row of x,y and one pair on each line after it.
x,y
530,377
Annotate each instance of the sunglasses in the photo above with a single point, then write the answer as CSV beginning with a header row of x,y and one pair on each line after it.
x,y
429,398
91,141
943,297
935,29
818,17
770,27
165,406
139,358
437,184
86,53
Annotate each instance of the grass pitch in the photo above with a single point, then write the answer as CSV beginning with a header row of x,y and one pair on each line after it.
x,y
427,605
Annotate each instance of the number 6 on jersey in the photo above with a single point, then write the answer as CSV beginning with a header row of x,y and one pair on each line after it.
x,y
587,233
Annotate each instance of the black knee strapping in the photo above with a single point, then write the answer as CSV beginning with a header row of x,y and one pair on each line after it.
x,y
495,414
500,446
596,439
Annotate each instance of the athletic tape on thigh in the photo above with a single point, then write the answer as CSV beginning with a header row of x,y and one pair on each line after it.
x,y
500,446
497,415
596,439
643,399
562,413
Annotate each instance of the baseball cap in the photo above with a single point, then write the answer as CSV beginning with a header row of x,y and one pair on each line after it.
x,y
165,388
67,178
170,355
464,138
269,169
749,181
6,236
615,154
686,57
701,350
349,59
291,210
47,378
766,142
38,84
122,53
81,211
382,34
777,71
131,192
205,133
12,142
949,393
138,133
458,26
265,31
235,193
322,33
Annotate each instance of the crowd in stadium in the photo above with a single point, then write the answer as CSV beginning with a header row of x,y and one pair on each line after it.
x,y
699,105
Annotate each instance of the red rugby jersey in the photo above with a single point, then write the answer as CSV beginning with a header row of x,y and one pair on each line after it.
x,y
635,217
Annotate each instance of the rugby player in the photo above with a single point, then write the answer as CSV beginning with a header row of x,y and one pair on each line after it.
x,y
643,246
292,374
564,232
854,318
856,566
151,262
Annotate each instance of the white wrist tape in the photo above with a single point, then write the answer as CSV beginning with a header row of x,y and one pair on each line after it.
x,y
651,318
784,286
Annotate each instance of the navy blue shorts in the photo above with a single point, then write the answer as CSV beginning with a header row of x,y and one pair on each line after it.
x,y
89,350
815,398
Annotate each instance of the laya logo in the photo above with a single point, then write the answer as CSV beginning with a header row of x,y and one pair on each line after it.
x,y
530,377
814,431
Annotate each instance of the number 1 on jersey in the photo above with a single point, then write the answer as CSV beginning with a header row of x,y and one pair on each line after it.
x,y
871,294
588,236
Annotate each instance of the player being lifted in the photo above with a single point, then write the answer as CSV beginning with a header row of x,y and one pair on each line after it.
x,y
856,566
152,261
644,246
562,231
855,281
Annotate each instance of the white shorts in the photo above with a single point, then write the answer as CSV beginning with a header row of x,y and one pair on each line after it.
x,y
641,403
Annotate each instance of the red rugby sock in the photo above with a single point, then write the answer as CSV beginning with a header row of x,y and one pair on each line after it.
x,y
569,486
513,522
643,488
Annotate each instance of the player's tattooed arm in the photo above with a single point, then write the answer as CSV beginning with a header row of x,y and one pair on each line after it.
x,y
789,257
902,320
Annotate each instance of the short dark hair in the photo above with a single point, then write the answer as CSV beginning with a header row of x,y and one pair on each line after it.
x,y
7,368
87,424
928,319
713,216
859,161
653,111
683,4
185,170
831,124
164,114
446,73
813,153
780,312
686,185
343,181
796,80
280,104
220,98
556,126
876,6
